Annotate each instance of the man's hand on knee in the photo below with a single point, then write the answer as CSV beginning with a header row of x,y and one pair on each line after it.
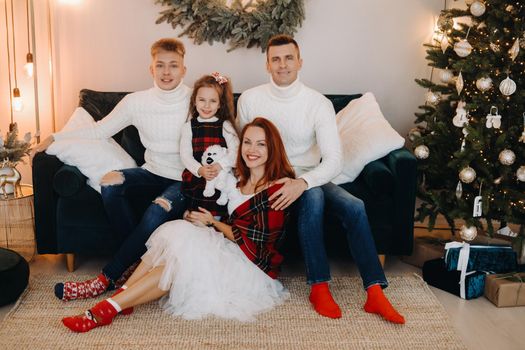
x,y
286,195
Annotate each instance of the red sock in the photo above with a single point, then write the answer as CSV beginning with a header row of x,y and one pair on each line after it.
x,y
99,315
377,303
83,290
127,311
322,301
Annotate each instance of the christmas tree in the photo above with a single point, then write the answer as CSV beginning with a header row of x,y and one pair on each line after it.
x,y
470,134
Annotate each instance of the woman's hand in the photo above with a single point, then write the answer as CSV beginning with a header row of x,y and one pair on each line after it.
x,y
202,216
209,172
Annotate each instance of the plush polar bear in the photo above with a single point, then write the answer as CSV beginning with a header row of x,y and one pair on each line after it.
x,y
212,155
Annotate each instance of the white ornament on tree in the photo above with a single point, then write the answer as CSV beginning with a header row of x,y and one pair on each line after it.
x,y
494,47
459,190
493,118
433,97
414,134
507,157
463,48
446,76
422,152
520,173
459,83
507,86
522,137
460,119
477,8
467,175
468,233
444,43
515,49
484,84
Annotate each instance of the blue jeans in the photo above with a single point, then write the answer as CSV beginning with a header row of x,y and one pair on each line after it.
x,y
120,213
348,210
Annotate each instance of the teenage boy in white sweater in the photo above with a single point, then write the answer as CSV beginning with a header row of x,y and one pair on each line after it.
x,y
306,120
159,114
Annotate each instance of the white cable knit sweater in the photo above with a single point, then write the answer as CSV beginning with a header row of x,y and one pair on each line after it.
x,y
159,116
306,121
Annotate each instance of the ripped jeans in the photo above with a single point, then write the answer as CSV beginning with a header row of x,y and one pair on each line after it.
x,y
172,206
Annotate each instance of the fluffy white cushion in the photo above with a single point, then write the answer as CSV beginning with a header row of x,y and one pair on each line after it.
x,y
365,136
94,158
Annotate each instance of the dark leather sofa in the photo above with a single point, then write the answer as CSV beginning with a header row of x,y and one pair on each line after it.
x,y
70,217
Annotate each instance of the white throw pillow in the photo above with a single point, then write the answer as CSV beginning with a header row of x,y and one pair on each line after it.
x,y
94,158
365,136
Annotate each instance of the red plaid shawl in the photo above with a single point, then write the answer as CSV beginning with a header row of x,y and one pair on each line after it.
x,y
259,230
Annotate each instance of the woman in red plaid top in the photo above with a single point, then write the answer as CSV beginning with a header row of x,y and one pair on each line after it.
x,y
226,269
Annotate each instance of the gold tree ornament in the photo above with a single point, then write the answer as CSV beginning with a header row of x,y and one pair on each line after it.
x,y
446,76
463,48
468,233
484,84
507,157
477,8
240,23
467,175
515,49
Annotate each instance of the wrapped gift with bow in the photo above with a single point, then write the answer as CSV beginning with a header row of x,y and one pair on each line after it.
x,y
471,259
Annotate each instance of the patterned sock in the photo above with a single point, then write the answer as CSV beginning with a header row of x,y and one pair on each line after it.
x,y
99,315
377,303
322,300
82,290
129,310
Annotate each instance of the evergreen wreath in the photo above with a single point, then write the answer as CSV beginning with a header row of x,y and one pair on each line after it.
x,y
242,25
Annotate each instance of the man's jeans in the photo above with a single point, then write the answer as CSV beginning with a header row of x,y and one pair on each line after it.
x,y
348,210
123,220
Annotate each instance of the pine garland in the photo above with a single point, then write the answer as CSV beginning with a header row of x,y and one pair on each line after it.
x,y
240,25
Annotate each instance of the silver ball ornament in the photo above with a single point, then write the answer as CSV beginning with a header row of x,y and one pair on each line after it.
x,y
445,23
468,233
507,157
467,175
484,84
446,76
414,134
507,86
477,8
421,152
433,97
520,173
463,48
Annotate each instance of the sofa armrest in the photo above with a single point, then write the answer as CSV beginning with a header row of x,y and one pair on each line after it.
x,y
403,166
45,200
68,181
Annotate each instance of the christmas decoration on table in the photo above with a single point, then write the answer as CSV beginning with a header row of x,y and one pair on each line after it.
x,y
476,131
240,23
12,151
493,118
507,157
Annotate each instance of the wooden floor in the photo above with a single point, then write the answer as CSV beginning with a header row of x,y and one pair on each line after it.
x,y
480,324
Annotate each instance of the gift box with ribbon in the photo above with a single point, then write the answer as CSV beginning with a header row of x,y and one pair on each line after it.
x,y
506,289
491,258
436,274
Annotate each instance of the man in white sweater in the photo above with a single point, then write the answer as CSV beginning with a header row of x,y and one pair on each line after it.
x,y
306,120
159,114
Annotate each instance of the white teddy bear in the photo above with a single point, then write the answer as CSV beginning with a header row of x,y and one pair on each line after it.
x,y
212,155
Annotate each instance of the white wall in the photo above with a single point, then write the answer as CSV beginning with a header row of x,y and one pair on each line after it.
x,y
348,46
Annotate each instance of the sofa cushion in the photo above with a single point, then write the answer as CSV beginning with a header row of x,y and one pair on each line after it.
x,y
94,158
378,177
365,136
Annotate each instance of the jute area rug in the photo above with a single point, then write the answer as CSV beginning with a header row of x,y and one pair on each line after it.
x,y
34,323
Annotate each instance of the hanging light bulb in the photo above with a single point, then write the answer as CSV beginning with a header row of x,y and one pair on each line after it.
x,y
28,67
18,104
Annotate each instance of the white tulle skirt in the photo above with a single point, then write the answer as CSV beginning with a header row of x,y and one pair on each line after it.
x,y
207,274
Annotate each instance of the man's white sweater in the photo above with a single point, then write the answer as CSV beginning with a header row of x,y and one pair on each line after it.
x,y
158,115
306,121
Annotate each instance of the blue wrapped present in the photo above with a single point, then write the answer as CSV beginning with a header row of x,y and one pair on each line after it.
x,y
490,258
469,259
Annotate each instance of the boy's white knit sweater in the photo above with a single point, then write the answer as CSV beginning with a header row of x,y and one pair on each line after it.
x,y
159,116
306,122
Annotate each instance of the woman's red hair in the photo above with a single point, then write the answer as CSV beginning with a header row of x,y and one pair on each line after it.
x,y
277,166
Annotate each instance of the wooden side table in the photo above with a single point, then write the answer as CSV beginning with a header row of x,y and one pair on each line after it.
x,y
17,224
